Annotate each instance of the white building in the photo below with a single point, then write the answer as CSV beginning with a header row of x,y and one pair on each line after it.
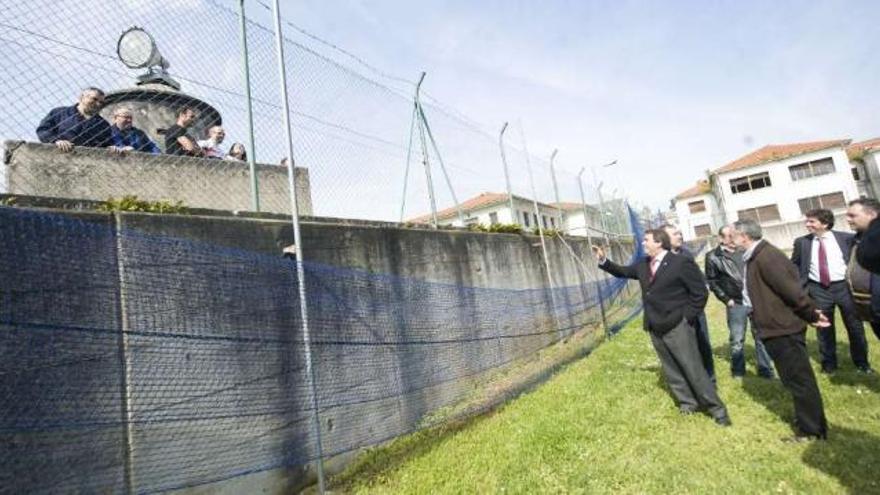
x,y
573,216
777,184
697,213
491,208
864,157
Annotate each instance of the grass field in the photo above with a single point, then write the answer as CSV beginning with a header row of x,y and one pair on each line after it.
x,y
606,424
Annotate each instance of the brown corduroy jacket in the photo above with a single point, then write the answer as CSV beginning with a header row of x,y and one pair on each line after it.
x,y
780,304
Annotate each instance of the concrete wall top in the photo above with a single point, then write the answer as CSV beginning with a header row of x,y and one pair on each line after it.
x,y
36,169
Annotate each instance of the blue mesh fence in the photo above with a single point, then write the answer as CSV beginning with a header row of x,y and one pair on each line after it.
x,y
132,360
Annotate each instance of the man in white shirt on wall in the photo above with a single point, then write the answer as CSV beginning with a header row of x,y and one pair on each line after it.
x,y
211,146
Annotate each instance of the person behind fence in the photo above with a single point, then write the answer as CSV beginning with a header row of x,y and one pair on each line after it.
x,y
77,125
211,146
822,257
237,153
724,273
780,309
863,284
178,141
676,240
673,295
127,137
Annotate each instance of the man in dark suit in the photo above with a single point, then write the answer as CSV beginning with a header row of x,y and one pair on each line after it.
x,y
780,307
863,284
822,257
676,242
673,296
869,254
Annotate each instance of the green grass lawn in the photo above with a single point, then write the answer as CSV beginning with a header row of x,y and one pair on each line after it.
x,y
606,424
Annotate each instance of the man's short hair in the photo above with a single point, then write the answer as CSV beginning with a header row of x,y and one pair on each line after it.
x,y
185,109
867,203
721,229
660,235
750,228
93,89
825,217
121,110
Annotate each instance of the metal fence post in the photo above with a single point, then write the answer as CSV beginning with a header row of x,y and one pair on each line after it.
x,y
300,271
590,244
513,215
251,152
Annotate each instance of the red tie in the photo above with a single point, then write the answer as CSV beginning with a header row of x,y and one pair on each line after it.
x,y
824,274
654,263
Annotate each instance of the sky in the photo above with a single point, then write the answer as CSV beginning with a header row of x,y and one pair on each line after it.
x,y
668,89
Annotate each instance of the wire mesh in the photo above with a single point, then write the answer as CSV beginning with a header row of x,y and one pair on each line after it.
x,y
143,362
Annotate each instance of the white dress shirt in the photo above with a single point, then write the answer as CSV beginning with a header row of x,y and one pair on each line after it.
x,y
836,265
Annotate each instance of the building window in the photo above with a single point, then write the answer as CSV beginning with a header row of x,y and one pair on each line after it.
x,y
703,230
760,214
535,218
544,218
815,168
697,206
526,218
832,201
493,217
471,221
553,222
750,182
855,172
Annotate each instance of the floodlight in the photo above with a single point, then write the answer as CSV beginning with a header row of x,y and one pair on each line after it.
x,y
137,49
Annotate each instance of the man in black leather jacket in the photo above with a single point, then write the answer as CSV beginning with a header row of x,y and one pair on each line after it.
x,y
724,274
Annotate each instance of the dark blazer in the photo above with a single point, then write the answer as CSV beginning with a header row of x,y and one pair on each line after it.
x,y
780,304
875,280
677,292
802,253
869,251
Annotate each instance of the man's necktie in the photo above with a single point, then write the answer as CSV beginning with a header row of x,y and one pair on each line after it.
x,y
654,263
824,274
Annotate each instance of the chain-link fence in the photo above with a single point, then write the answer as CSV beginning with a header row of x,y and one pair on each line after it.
x,y
144,354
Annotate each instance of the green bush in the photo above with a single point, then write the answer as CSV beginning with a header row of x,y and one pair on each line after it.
x,y
132,203
547,232
506,228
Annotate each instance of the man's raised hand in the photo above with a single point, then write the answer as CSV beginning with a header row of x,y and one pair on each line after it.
x,y
599,253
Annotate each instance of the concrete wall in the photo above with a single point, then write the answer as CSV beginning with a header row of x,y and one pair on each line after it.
x,y
206,341
96,174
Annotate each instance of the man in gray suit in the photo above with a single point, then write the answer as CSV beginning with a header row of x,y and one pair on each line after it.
x,y
673,295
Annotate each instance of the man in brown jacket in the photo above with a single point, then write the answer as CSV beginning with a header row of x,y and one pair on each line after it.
x,y
780,310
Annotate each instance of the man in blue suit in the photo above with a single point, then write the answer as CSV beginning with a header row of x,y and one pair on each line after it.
x,y
822,257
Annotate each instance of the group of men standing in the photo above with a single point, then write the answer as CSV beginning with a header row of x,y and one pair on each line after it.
x,y
760,285
82,125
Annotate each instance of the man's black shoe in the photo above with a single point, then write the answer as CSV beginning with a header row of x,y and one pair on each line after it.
x,y
723,421
686,411
866,370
